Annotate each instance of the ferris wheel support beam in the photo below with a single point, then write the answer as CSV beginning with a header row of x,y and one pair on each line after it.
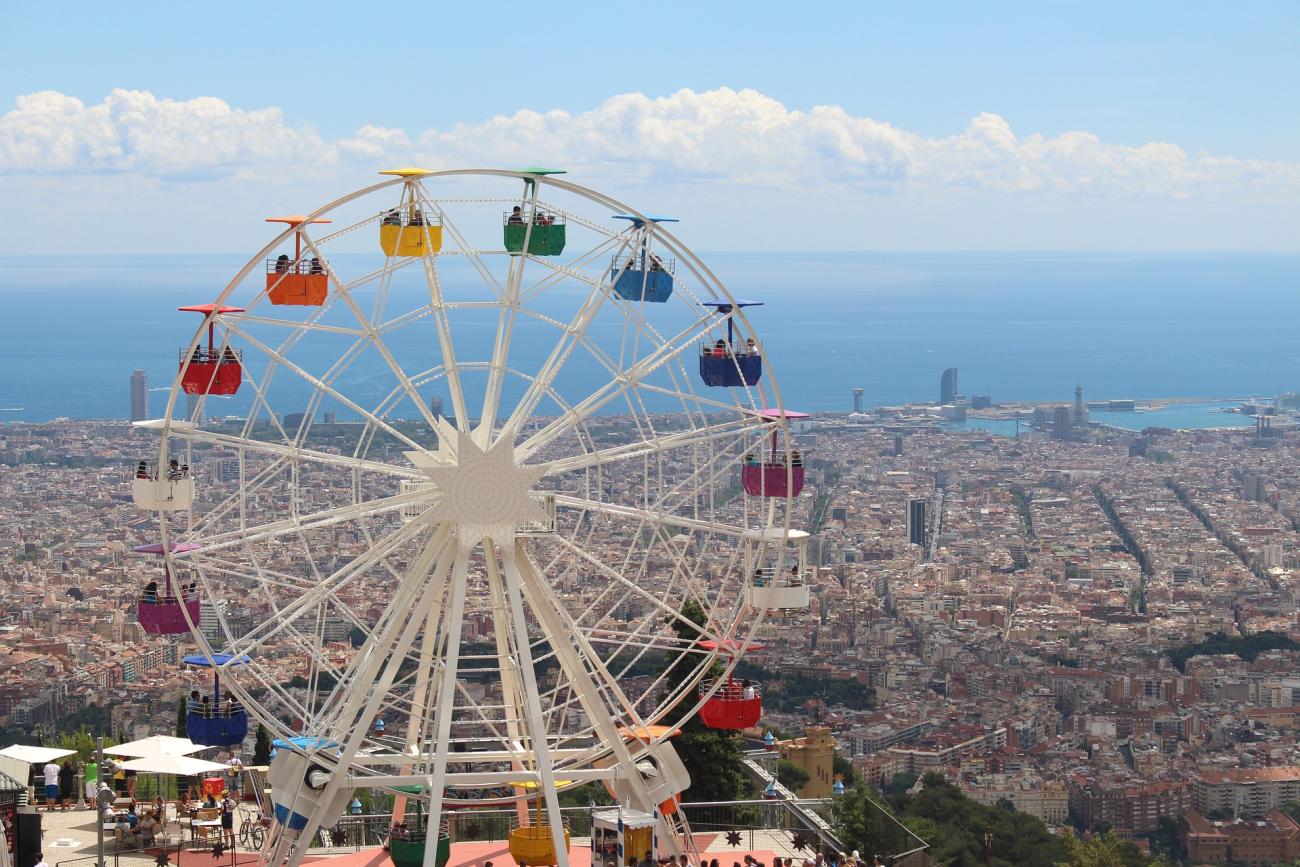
x,y
452,629
563,637
377,667
511,694
532,701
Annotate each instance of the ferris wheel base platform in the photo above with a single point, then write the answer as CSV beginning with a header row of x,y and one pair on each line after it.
x,y
474,853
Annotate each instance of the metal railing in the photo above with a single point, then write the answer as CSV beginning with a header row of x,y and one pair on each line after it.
x,y
288,266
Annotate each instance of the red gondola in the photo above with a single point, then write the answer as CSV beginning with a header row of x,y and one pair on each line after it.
x,y
774,472
736,705
162,610
296,282
210,370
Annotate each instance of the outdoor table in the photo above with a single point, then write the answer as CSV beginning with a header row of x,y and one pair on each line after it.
x,y
196,824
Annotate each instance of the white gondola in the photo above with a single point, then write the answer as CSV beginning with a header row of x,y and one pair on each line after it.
x,y
772,588
162,494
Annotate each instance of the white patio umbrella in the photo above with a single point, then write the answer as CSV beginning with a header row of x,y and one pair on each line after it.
x,y
166,763
157,745
34,755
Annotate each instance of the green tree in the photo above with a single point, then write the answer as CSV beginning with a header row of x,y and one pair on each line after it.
x,y
843,768
261,746
1102,850
791,775
182,730
712,757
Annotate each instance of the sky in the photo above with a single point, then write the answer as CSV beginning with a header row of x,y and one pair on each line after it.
x,y
852,125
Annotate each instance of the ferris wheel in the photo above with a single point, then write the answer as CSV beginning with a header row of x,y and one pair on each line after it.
x,y
473,486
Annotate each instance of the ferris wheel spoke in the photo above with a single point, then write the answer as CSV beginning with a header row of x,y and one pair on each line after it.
x,y
734,431
658,519
369,331
312,521
630,378
449,227
328,389
446,346
320,592
614,575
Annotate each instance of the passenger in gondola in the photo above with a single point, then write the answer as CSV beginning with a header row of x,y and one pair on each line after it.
x,y
173,470
205,709
751,347
656,264
751,458
796,458
151,593
185,471
796,580
197,355
282,264
228,355
720,348
316,267
417,218
141,471
516,217
746,690
391,218
193,705
192,592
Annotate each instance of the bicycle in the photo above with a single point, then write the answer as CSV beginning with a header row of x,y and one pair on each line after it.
x,y
252,827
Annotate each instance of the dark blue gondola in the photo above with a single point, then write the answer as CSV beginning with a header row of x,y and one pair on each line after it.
x,y
728,365
216,724
641,275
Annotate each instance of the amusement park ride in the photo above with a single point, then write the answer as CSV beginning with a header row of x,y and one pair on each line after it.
x,y
509,568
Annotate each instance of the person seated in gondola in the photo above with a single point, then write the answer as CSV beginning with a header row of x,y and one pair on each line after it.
x,y
746,690
796,580
197,355
720,348
228,355
656,264
516,217
192,704
417,218
192,592
205,709
751,459
316,266
173,470
796,458
185,471
151,593
760,580
391,218
282,264
751,347
141,471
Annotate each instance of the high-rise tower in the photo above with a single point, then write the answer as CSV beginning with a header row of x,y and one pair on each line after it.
x,y
1080,411
948,386
916,522
139,395
857,399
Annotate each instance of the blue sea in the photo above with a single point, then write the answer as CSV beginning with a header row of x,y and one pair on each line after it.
x,y
1018,326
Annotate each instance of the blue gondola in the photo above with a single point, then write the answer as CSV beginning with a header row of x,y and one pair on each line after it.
x,y
214,723
641,275
725,365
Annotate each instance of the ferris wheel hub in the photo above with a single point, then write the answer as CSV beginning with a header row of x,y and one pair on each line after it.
x,y
485,493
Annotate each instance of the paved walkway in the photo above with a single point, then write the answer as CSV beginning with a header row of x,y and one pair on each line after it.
x,y
70,838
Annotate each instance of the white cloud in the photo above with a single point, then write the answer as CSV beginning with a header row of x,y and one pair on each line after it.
x,y
725,135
